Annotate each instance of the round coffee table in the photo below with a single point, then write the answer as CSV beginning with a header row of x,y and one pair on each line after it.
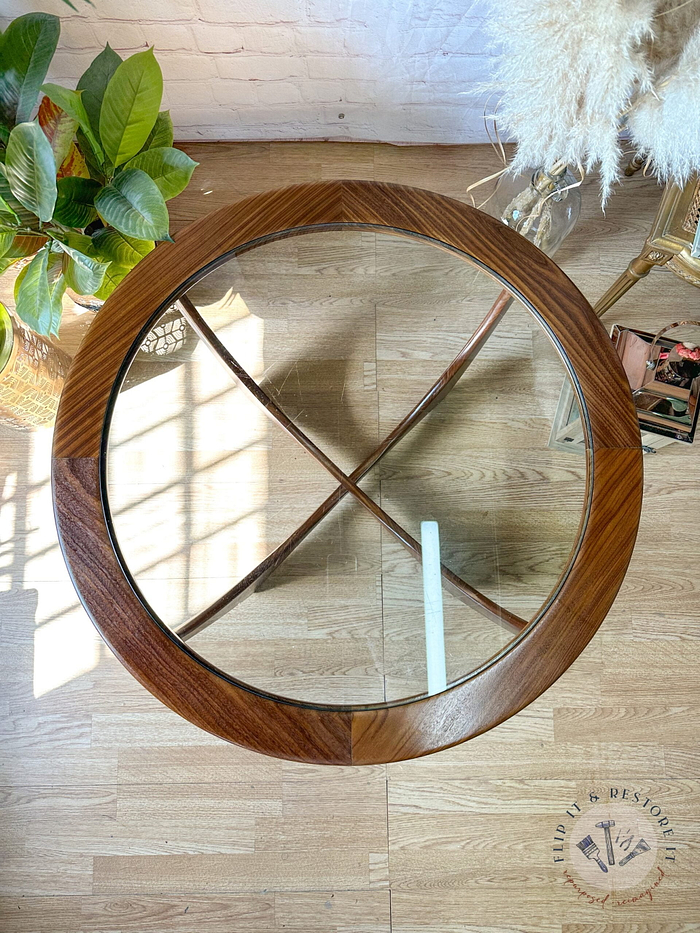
x,y
339,531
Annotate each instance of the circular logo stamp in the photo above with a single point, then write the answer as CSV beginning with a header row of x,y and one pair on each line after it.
x,y
614,849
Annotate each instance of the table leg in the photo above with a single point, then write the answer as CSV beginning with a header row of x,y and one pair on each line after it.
x,y
636,270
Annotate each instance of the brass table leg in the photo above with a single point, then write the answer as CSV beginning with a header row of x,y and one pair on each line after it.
x,y
669,241
636,270
634,165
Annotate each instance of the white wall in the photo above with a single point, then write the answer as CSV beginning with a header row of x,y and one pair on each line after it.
x,y
390,70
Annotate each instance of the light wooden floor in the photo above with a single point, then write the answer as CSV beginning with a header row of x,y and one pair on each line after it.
x,y
118,816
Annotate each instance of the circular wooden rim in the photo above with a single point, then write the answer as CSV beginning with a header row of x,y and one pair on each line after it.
x,y
276,726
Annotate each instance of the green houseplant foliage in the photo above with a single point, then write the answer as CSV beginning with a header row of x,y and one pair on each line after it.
x,y
83,186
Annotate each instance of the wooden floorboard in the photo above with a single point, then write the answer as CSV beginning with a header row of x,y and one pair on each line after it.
x,y
116,816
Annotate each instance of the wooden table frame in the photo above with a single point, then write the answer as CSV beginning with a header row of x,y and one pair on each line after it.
x,y
215,701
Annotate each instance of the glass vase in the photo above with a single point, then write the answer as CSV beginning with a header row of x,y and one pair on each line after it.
x,y
541,205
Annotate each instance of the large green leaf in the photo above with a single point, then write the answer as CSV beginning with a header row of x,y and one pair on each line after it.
x,y
133,205
94,81
21,214
92,163
31,170
5,242
18,281
79,241
82,273
113,277
7,213
162,133
57,290
58,127
71,103
57,286
75,204
34,297
130,106
171,169
27,49
24,245
109,244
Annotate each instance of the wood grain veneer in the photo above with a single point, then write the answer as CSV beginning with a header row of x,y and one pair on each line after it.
x,y
185,681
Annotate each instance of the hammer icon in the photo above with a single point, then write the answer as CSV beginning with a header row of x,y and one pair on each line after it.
x,y
605,825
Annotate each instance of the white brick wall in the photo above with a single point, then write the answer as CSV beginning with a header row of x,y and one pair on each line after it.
x,y
286,69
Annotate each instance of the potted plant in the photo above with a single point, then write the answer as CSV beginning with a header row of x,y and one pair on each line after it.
x,y
84,185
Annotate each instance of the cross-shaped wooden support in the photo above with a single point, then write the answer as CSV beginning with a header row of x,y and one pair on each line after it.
x,y
348,484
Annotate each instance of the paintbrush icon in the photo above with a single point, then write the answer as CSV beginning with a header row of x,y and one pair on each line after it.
x,y
641,847
591,850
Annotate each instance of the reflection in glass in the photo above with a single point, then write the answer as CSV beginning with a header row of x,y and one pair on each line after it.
x,y
345,331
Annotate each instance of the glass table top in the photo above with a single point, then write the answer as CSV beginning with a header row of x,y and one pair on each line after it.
x,y
345,331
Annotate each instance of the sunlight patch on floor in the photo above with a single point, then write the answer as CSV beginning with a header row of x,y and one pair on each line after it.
x,y
63,650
